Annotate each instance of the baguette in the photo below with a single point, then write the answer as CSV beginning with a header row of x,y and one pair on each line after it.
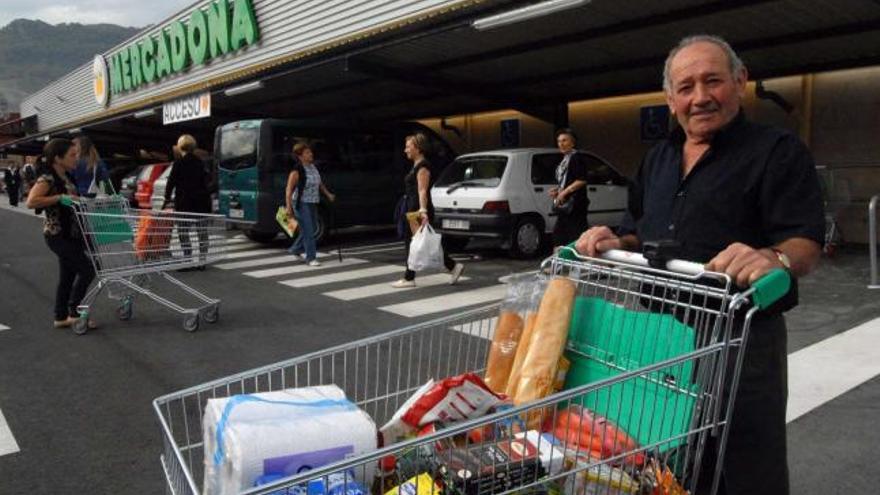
x,y
547,342
503,350
521,350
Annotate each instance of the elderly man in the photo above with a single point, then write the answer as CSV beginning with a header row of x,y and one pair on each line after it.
x,y
743,198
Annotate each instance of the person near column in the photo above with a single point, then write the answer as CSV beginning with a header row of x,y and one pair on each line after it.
x,y
743,198
570,202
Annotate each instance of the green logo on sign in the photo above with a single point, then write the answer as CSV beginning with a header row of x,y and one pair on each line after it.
x,y
209,34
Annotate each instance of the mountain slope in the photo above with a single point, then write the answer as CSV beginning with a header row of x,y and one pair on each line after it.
x,y
34,53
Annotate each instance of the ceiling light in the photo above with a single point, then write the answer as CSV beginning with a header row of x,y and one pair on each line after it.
x,y
526,13
145,113
244,88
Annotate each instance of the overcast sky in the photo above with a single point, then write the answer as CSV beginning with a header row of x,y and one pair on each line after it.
x,y
134,13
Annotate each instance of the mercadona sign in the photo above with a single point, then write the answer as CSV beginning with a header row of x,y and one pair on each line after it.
x,y
225,26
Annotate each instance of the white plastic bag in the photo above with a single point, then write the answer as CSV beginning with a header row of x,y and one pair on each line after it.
x,y
425,251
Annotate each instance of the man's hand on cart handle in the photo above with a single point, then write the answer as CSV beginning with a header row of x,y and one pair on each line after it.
x,y
744,264
599,239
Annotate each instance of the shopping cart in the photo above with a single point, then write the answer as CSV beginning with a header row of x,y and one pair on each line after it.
x,y
131,250
655,352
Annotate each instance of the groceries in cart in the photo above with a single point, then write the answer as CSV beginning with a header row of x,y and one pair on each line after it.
x,y
598,378
281,433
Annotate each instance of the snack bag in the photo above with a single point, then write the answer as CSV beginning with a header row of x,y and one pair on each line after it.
x,y
452,399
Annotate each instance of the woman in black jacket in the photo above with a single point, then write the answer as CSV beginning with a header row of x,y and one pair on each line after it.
x,y
188,186
570,202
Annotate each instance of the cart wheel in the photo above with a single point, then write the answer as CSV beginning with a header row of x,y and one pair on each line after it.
x,y
80,326
212,314
123,312
191,323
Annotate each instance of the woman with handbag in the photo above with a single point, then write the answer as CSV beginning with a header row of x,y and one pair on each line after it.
x,y
303,194
418,200
91,174
570,202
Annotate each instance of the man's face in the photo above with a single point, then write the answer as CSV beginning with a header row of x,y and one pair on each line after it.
x,y
704,95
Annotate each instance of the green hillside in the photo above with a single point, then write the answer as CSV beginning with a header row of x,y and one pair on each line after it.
x,y
34,53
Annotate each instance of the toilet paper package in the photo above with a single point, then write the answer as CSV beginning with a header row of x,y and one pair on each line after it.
x,y
281,433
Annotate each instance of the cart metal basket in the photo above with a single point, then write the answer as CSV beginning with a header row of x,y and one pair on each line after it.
x,y
131,250
652,350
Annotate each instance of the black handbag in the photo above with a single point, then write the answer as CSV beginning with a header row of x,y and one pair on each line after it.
x,y
564,208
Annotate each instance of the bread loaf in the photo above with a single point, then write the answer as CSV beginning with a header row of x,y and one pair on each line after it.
x,y
503,350
547,342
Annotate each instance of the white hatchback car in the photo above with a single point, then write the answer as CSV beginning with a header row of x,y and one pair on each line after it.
x,y
503,195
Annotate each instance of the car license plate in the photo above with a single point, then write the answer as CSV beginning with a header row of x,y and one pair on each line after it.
x,y
456,224
236,213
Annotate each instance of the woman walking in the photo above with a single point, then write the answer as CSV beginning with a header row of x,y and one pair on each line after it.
x,y
52,194
303,194
417,184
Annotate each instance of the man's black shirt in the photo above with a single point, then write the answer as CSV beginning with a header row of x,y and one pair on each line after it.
x,y
755,184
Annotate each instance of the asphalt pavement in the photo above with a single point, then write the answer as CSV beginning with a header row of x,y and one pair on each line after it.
x,y
79,407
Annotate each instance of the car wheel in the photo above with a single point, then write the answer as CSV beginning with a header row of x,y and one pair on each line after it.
x,y
526,238
260,236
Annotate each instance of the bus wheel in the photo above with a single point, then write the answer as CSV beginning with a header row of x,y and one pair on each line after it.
x,y
260,236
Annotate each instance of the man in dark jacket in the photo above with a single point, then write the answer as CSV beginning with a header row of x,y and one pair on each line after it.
x,y
743,198
12,179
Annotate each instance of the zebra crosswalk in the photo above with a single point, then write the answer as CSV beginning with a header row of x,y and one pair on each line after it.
x,y
335,279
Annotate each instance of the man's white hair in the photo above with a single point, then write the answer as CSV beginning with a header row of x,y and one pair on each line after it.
x,y
736,64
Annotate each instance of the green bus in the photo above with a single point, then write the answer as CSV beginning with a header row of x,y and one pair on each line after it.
x,y
364,167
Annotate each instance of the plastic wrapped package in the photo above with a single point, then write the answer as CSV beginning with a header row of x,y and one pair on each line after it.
x,y
547,342
535,293
283,433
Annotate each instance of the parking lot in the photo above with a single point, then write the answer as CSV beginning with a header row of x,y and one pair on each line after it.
x,y
79,408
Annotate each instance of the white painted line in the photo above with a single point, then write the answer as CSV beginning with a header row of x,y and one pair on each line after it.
x,y
237,240
8,445
385,288
253,252
301,267
373,271
484,329
832,367
3,327
373,246
368,251
447,302
272,260
236,247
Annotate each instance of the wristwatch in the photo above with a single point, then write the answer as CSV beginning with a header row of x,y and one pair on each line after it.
x,y
783,258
